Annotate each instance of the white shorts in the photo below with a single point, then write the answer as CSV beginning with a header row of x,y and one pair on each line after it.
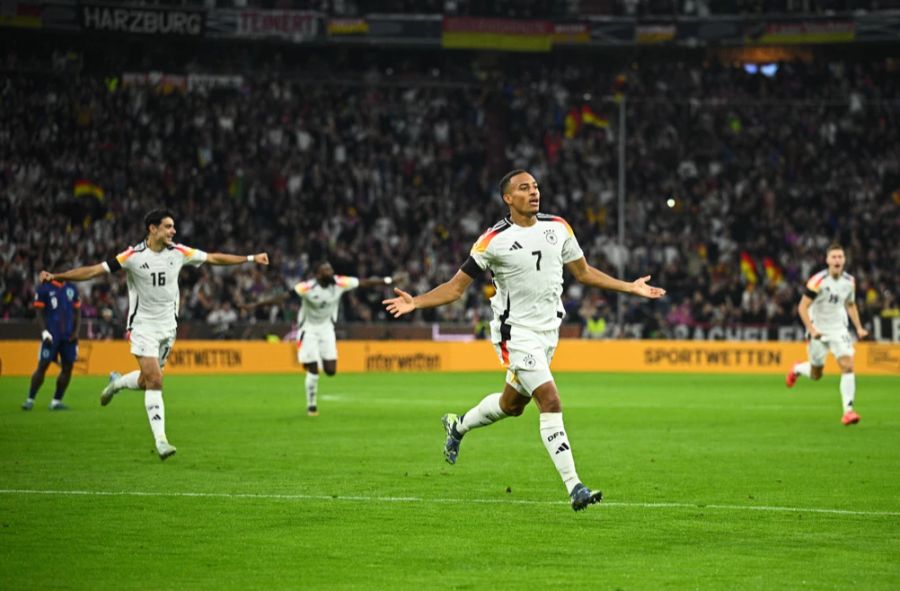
x,y
316,344
840,345
527,355
148,342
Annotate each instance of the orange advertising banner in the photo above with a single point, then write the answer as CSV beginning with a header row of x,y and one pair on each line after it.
x,y
19,358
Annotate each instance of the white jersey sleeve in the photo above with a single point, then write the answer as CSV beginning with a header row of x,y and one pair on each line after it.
x,y
571,250
346,283
193,257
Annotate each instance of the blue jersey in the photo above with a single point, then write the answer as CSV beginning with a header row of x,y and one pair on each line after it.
x,y
59,303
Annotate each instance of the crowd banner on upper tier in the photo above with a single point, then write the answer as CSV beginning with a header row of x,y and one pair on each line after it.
x,y
19,358
497,33
142,20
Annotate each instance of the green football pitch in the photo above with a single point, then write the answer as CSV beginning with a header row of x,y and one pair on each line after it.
x,y
710,483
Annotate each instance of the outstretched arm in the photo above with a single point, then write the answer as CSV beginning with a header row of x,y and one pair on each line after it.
x,y
77,274
446,292
593,277
219,258
376,281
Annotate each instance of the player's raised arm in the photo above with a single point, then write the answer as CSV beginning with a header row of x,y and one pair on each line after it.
x,y
219,258
376,281
445,293
594,277
76,274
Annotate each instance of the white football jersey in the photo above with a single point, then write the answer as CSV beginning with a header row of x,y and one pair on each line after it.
x,y
153,296
830,296
320,304
527,265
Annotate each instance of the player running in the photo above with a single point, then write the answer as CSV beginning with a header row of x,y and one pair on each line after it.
x,y
829,298
59,314
320,299
526,252
152,269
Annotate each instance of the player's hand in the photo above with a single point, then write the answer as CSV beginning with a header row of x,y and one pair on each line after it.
x,y
640,287
46,336
45,277
403,304
862,333
261,258
814,333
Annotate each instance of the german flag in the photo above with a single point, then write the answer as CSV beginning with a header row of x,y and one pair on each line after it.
x,y
573,123
589,117
748,268
85,188
774,274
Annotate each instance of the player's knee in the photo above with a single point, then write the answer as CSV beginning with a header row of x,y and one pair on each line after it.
x,y
330,371
312,368
815,374
153,381
847,368
511,410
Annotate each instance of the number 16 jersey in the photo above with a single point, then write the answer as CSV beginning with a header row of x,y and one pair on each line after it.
x,y
527,267
153,296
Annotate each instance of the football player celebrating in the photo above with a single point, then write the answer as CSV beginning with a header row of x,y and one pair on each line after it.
x,y
526,252
152,269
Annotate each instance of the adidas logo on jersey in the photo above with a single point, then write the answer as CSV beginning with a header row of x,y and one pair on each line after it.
x,y
516,246
145,266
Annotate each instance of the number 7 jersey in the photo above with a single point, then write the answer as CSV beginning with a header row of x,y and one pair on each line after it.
x,y
153,296
527,267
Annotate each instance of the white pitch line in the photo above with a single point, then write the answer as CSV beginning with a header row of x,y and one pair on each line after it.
x,y
372,499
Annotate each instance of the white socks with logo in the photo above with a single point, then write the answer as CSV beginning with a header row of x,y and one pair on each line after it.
x,y
803,369
128,381
557,443
156,414
848,390
484,413
312,387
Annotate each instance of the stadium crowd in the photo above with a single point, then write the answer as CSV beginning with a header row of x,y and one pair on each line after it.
x,y
384,177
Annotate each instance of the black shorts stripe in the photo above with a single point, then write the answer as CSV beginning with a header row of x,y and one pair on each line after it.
x,y
137,301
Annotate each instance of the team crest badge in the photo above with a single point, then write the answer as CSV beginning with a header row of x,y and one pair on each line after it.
x,y
529,361
550,235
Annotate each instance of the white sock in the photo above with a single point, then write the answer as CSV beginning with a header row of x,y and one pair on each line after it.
x,y
848,390
129,381
156,413
482,414
312,386
557,443
803,369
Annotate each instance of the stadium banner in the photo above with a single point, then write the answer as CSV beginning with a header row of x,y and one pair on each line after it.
x,y
805,32
21,15
60,15
703,31
295,26
420,29
19,358
606,31
571,33
882,26
340,27
652,34
497,33
141,20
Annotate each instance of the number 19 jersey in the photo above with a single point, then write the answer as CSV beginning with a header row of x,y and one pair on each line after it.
x,y
527,267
